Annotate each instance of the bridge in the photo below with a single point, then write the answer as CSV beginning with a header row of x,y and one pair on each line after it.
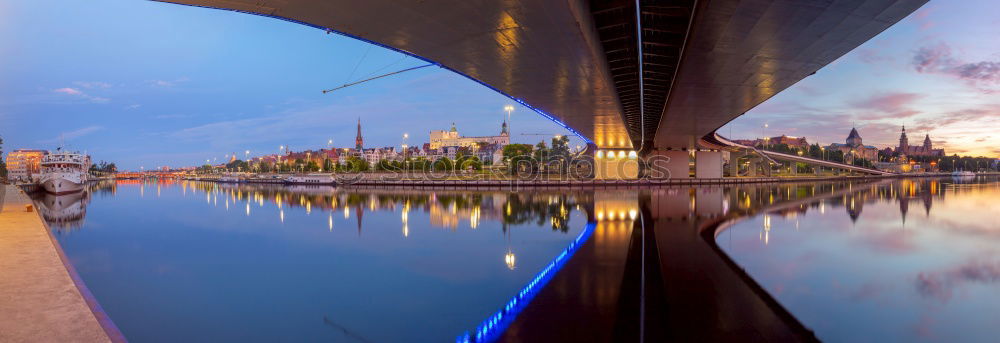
x,y
653,77
774,157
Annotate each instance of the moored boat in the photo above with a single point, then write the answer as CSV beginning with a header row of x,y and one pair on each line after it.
x,y
310,179
63,172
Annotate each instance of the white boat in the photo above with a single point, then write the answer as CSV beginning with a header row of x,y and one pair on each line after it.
x,y
229,178
310,179
962,173
63,172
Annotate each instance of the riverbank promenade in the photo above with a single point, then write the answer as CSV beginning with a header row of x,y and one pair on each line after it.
x,y
39,299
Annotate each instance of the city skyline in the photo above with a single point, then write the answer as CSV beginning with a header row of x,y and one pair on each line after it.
x,y
142,92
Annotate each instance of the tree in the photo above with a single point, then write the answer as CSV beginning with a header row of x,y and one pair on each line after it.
x,y
356,164
443,163
328,165
312,166
3,166
471,163
205,169
559,153
511,151
237,165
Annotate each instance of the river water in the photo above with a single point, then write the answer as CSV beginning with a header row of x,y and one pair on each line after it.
x,y
904,261
884,260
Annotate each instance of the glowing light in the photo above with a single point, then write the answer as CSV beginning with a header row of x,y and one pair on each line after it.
x,y
248,209
600,154
510,260
621,154
347,212
632,213
281,214
329,222
496,323
633,155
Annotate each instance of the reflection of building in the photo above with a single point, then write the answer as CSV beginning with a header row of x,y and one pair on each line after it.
x,y
854,148
24,164
927,149
440,138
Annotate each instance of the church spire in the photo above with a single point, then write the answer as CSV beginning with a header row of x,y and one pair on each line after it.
x,y
359,142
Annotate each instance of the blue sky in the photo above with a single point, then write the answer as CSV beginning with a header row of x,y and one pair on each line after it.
x,y
150,84
937,72
147,84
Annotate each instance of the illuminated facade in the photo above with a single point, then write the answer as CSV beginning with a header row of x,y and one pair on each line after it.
x,y
927,149
441,138
855,148
24,164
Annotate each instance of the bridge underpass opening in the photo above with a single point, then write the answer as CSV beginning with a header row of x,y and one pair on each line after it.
x,y
647,76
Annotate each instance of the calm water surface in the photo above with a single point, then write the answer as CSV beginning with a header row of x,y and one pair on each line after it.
x,y
177,262
859,261
910,260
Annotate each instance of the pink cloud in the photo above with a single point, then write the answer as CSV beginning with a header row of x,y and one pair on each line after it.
x,y
941,285
938,59
80,94
69,91
889,105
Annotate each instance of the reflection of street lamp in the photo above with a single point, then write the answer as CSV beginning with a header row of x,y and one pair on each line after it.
x,y
509,109
510,259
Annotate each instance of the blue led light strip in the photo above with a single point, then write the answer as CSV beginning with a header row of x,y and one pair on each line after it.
x,y
494,325
329,30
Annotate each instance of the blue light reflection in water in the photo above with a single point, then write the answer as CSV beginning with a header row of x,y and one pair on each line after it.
x,y
210,262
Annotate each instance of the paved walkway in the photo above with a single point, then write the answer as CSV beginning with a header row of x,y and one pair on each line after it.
x,y
39,302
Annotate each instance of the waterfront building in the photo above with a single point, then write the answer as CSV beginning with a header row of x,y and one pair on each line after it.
x,y
927,149
855,148
24,164
441,138
374,155
790,141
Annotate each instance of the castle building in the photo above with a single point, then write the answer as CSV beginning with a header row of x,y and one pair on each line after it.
x,y
441,138
927,149
854,148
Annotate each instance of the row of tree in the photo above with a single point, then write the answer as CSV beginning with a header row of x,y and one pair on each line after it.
x,y
3,166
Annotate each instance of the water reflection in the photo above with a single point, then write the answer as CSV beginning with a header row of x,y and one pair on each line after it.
x,y
163,257
906,260
850,260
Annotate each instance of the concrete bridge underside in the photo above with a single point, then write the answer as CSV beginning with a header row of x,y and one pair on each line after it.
x,y
657,79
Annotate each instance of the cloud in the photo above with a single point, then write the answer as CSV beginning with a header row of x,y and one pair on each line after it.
x,y
75,92
888,102
92,84
132,107
73,134
938,59
69,91
167,83
872,56
941,285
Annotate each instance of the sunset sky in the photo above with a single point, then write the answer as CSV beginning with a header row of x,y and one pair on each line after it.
x,y
150,84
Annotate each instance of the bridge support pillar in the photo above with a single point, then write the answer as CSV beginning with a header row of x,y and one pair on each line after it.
x,y
669,164
734,164
708,164
611,164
